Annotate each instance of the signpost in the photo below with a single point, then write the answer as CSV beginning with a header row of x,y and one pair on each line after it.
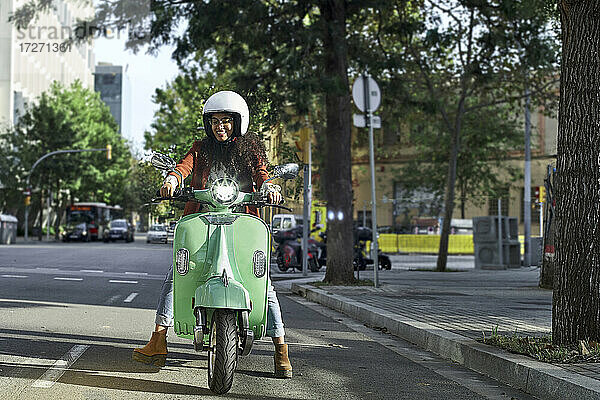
x,y
367,97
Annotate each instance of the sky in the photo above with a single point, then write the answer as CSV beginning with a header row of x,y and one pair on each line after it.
x,y
145,73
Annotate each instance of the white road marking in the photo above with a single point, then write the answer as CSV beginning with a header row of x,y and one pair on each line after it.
x,y
14,276
67,279
117,281
130,298
328,346
47,269
91,270
57,370
136,273
113,299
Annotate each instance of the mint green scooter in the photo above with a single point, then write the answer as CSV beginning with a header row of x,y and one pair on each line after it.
x,y
221,271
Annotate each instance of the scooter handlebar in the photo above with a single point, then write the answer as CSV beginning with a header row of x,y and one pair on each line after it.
x,y
177,194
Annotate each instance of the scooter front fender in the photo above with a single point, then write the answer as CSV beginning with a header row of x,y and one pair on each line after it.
x,y
214,294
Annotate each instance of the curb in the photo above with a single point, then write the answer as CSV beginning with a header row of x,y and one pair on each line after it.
x,y
545,381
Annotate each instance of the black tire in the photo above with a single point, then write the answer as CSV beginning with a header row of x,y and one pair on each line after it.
x,y
359,264
386,264
313,265
222,352
281,263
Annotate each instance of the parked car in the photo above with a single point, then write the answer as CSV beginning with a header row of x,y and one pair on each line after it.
x,y
285,221
157,233
119,229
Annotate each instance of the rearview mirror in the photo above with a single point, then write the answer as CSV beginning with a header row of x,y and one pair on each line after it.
x,y
286,171
162,161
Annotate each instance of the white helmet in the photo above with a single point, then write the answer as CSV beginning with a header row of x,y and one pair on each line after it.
x,y
227,101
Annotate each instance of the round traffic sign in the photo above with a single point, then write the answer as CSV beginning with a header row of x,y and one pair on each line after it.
x,y
358,93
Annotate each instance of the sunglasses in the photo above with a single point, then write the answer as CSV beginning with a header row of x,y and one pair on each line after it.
x,y
224,121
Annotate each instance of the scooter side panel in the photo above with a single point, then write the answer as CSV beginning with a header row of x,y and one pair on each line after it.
x,y
250,235
192,233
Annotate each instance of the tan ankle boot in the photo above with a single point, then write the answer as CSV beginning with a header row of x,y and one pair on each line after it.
x,y
155,352
283,368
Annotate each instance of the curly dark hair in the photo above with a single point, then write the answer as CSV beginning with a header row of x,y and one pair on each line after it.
x,y
242,156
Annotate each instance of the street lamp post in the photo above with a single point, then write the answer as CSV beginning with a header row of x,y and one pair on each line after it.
x,y
527,185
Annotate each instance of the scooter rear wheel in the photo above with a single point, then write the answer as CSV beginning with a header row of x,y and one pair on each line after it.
x,y
222,352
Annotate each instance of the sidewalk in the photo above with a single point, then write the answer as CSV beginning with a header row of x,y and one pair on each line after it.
x,y
447,312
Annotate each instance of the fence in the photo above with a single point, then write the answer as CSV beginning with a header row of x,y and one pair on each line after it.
x,y
427,244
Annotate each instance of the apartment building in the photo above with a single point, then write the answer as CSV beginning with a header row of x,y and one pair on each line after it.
x,y
34,57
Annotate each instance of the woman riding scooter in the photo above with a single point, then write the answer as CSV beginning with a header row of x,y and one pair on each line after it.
x,y
227,151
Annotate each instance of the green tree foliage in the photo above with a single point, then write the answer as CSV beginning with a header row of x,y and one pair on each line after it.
x,y
67,119
456,60
488,139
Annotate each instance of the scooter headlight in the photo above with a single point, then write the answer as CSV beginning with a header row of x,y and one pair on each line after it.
x,y
182,261
259,263
224,191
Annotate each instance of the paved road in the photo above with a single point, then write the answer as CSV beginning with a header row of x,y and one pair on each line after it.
x,y
73,312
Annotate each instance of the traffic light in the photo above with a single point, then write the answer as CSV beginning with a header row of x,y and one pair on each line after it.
x,y
542,194
108,152
27,198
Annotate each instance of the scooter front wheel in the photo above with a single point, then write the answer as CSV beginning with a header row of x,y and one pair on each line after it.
x,y
222,352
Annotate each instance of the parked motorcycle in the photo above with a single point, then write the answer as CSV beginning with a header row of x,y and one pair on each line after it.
x,y
289,250
360,260
220,279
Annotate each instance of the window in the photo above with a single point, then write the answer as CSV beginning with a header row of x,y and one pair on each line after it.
x,y
108,79
287,223
364,218
493,203
276,223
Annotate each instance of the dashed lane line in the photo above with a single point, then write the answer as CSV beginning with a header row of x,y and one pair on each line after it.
x,y
99,271
130,298
118,281
14,276
58,278
57,370
136,273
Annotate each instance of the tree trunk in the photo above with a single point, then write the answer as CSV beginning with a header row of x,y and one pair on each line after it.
x,y
58,211
449,201
576,300
338,171
41,214
463,199
547,274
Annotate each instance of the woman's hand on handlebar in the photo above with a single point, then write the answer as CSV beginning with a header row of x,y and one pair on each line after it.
x,y
274,198
167,190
